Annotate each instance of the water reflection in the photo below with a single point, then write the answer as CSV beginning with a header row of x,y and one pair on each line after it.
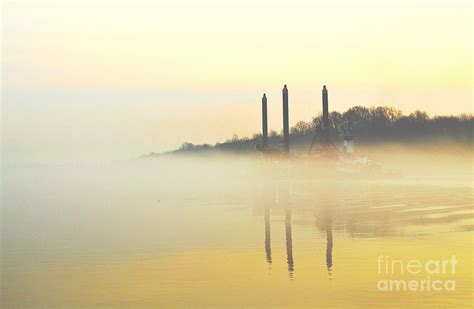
x,y
268,246
289,243
329,244
200,245
357,208
278,193
326,226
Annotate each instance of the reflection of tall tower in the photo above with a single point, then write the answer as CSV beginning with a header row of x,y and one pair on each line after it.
x,y
329,245
268,248
289,243
286,127
324,218
264,121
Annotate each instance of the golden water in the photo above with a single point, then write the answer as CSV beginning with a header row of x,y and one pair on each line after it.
x,y
232,232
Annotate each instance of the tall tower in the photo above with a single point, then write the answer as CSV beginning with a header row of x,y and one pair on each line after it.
x,y
264,121
286,128
325,136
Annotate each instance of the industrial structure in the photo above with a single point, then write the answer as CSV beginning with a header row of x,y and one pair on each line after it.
x,y
286,126
325,132
264,121
325,146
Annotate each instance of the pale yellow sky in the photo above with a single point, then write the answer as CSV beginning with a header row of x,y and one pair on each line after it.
x,y
149,75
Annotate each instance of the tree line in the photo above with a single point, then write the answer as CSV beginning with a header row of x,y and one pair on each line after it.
x,y
364,125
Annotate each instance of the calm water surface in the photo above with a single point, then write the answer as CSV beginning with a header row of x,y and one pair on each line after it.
x,y
218,232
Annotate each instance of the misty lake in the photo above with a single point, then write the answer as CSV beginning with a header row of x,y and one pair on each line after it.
x,y
234,231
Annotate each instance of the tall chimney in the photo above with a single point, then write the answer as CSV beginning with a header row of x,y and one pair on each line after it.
x,y
325,115
264,120
286,129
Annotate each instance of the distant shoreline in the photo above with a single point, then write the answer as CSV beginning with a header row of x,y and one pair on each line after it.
x,y
367,126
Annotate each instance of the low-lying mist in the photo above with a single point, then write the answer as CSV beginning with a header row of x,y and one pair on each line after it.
x,y
440,157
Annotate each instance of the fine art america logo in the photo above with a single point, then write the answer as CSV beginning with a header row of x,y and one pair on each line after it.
x,y
433,275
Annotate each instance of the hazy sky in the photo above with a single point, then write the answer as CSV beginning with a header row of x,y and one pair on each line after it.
x,y
128,77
